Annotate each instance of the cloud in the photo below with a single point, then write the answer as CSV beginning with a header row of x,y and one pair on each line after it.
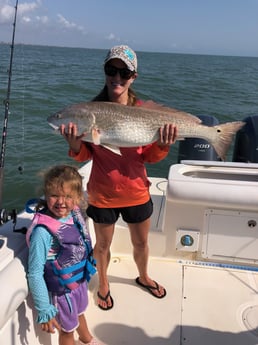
x,y
24,10
26,7
6,13
26,19
113,37
66,24
42,19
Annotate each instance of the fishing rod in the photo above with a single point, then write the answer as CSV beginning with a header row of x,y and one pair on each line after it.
x,y
4,215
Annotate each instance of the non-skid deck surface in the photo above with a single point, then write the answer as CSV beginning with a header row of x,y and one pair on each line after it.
x,y
204,305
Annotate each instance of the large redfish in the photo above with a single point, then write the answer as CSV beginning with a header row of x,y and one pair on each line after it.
x,y
117,125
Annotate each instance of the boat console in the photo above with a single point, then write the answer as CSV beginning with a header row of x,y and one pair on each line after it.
x,y
211,212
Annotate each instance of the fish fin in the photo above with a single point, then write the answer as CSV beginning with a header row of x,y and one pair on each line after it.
x,y
95,136
56,128
113,149
225,133
96,140
178,113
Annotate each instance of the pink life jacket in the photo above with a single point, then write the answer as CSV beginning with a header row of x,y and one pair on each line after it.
x,y
72,262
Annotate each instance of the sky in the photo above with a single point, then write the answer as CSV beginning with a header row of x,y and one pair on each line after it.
x,y
214,27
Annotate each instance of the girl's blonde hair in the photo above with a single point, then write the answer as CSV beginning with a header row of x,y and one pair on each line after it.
x,y
59,175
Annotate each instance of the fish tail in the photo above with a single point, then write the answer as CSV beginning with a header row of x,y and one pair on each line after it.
x,y
224,137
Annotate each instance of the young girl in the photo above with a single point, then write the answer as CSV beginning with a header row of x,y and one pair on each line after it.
x,y
59,264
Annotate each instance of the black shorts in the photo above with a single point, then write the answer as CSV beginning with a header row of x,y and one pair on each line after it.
x,y
132,214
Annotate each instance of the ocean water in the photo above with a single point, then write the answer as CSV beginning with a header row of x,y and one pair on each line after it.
x,y
45,79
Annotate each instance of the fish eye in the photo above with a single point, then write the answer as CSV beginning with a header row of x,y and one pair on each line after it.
x,y
59,116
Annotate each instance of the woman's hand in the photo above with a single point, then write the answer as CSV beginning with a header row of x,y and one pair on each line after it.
x,y
50,326
70,134
167,135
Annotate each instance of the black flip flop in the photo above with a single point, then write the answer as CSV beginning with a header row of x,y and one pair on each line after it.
x,y
151,288
105,300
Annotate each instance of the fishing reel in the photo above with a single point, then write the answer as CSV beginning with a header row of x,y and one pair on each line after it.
x,y
5,216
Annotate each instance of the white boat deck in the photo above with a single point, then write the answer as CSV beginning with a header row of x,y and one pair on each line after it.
x,y
204,305
212,286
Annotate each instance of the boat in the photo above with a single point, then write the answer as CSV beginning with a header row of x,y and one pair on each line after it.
x,y
203,249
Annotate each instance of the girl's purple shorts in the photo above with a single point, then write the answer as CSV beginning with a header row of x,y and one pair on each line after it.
x,y
70,306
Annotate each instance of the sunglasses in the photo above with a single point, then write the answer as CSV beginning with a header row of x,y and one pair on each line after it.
x,y
111,71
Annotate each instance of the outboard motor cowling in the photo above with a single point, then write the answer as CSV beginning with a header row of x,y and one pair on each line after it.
x,y
246,141
197,148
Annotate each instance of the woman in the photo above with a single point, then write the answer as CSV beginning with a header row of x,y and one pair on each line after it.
x,y
119,184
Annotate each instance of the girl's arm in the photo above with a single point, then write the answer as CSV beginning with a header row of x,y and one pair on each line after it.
x,y
40,243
